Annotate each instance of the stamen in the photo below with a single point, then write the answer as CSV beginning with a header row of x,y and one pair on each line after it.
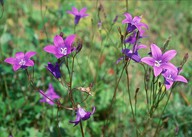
x,y
158,63
22,62
170,77
64,51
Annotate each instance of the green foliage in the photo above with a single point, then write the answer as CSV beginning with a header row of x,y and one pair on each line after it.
x,y
31,25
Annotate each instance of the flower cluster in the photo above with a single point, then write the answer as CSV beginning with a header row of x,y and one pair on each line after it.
x,y
159,61
62,48
161,65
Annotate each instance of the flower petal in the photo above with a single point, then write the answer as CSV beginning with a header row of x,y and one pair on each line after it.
x,y
76,121
10,60
136,20
169,66
167,56
69,40
157,70
148,60
82,11
93,110
50,49
125,21
71,12
16,67
58,41
168,85
156,51
19,55
181,79
141,46
29,63
128,17
75,10
30,54
121,58
58,55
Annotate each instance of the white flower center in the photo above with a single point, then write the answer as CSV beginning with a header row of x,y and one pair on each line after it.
x,y
64,51
22,62
170,77
47,100
157,63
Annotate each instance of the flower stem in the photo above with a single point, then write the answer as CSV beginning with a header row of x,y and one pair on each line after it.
x,y
82,133
157,129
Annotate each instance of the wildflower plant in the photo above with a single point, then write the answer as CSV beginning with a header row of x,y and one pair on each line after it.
x,y
158,83
160,75
65,49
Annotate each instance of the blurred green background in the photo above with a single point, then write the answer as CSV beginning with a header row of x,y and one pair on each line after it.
x,y
31,25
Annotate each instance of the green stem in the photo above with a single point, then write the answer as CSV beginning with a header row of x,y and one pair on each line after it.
x,y
128,87
157,129
82,133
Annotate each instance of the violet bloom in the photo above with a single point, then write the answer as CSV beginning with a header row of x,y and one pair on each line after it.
x,y
171,76
82,115
134,23
54,69
133,54
160,61
21,60
132,38
50,93
61,47
78,14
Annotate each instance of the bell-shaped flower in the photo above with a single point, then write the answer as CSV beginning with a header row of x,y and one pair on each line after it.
x,y
134,23
171,76
78,14
81,114
160,61
49,96
61,47
54,69
21,60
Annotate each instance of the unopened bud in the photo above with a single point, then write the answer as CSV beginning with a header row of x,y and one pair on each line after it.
x,y
79,47
115,19
61,34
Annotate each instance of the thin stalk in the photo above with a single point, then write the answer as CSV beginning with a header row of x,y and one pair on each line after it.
x,y
70,83
128,88
114,94
81,126
157,129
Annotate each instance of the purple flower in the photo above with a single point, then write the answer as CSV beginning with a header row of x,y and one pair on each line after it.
x,y
134,23
160,61
21,60
49,96
54,69
82,115
61,47
133,54
171,76
78,14
132,38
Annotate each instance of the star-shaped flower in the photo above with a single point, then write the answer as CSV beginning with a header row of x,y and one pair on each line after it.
x,y
61,47
82,115
160,61
49,96
134,23
171,76
78,14
21,60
